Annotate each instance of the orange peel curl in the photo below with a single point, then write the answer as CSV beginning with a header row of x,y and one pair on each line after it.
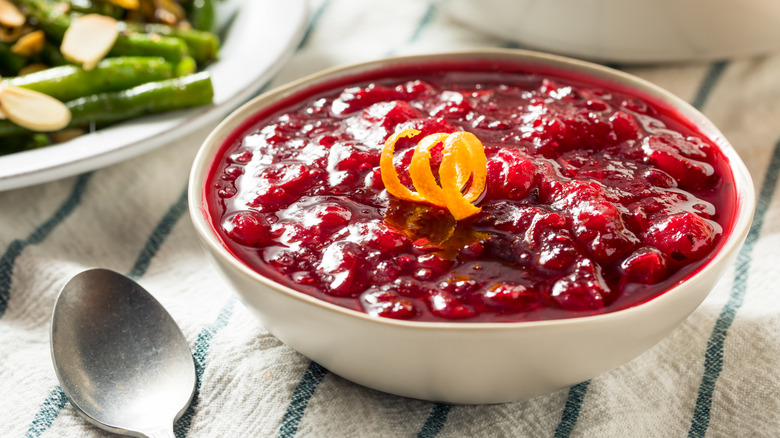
x,y
463,160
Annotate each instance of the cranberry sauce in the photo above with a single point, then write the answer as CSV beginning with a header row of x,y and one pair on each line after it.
x,y
596,200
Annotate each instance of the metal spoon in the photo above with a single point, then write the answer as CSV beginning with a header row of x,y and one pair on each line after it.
x,y
119,356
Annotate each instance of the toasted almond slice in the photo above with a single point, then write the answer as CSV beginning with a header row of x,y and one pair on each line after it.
x,y
126,4
62,7
33,110
10,15
30,44
89,39
168,12
32,68
2,114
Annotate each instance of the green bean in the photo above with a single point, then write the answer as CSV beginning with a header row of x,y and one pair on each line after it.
x,y
20,143
202,46
51,55
186,66
103,109
202,15
10,63
69,82
140,44
15,144
97,7
153,97
54,24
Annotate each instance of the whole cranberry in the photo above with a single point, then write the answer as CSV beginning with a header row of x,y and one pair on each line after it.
x,y
582,290
327,216
459,285
387,304
247,227
435,263
682,236
675,157
646,265
510,297
598,225
510,175
343,268
445,305
408,288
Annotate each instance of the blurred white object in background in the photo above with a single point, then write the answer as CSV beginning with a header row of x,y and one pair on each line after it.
x,y
633,31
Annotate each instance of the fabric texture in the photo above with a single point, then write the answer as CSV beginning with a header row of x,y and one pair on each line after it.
x,y
716,375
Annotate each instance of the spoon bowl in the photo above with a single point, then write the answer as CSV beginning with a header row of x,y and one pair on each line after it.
x,y
120,358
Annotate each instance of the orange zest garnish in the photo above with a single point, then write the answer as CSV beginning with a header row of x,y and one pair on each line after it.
x,y
463,160
387,169
466,149
420,170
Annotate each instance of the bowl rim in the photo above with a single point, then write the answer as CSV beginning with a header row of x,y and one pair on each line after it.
x,y
744,190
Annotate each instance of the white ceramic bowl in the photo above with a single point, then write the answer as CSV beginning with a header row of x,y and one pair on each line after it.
x,y
465,362
629,30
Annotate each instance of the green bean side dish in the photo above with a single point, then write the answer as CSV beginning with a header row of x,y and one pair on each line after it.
x,y
152,67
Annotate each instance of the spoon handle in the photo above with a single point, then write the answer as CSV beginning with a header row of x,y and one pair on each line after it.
x,y
161,433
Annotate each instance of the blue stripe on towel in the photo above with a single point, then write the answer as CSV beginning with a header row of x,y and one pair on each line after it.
x,y
315,18
421,25
571,411
311,379
16,247
435,422
713,358
51,407
708,83
47,413
161,231
424,22
202,346
574,402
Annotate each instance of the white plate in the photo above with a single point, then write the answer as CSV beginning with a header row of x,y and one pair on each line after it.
x,y
262,36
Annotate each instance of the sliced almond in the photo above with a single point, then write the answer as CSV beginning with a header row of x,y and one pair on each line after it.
x,y
62,7
168,12
32,68
2,114
10,15
30,44
89,39
33,110
126,4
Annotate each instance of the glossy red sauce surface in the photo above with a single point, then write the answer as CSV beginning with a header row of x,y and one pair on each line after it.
x,y
596,200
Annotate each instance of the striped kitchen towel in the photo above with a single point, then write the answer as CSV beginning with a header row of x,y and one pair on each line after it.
x,y
716,375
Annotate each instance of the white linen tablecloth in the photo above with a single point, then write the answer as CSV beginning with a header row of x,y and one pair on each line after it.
x,y
716,375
